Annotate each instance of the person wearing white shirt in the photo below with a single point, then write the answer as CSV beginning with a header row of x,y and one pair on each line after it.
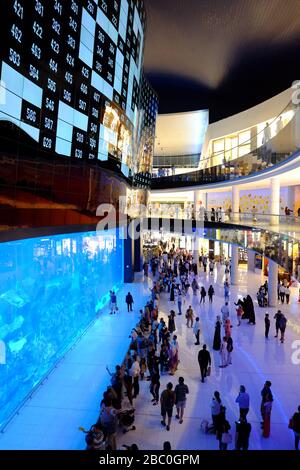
x,y
134,373
225,312
282,293
287,293
224,353
196,330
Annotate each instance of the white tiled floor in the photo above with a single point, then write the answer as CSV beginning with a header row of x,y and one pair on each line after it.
x,y
70,397
254,361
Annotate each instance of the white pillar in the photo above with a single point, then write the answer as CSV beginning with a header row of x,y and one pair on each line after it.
x,y
251,261
235,203
275,201
196,248
291,198
273,281
234,269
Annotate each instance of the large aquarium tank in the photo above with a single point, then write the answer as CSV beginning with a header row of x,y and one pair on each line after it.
x,y
51,289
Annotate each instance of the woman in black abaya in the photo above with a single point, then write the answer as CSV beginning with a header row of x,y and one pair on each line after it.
x,y
217,336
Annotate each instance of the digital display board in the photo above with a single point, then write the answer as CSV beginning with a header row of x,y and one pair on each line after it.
x,y
71,73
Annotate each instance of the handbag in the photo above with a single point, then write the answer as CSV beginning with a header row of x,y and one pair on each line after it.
x,y
226,438
208,371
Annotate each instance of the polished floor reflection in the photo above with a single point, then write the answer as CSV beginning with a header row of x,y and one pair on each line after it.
x,y
255,360
70,397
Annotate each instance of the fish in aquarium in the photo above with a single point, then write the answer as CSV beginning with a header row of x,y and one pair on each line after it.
x,y
16,346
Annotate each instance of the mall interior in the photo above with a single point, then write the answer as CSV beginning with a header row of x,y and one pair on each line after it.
x,y
102,195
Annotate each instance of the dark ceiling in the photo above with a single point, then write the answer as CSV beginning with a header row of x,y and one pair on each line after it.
x,y
225,55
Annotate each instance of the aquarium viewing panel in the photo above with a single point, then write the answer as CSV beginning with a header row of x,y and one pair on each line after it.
x,y
51,289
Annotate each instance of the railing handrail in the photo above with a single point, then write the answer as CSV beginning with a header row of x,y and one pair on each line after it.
x,y
234,162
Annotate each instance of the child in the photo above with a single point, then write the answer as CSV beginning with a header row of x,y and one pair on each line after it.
x,y
143,367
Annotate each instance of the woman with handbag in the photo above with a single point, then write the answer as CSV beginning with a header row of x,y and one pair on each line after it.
x,y
223,427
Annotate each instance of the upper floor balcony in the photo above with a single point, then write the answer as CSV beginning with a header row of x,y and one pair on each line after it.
x,y
269,148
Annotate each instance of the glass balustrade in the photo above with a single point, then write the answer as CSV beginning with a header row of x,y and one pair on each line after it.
x,y
279,247
265,154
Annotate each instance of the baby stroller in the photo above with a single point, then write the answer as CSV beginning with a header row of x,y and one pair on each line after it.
x,y
126,420
95,439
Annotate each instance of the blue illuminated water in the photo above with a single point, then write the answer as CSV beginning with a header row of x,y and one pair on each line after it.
x,y
51,289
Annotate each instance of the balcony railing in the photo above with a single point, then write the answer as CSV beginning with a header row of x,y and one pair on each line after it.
x,y
263,157
280,243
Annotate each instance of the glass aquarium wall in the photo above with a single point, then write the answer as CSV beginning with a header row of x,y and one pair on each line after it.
x,y
51,289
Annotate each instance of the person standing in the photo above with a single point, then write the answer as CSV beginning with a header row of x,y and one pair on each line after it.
x,y
129,302
282,293
167,402
171,323
267,325
222,431
154,388
229,350
181,391
225,312
217,335
295,426
197,331
179,302
203,295
226,291
243,430
277,317
190,317
204,261
266,408
172,291
204,361
113,303
243,401
223,353
239,314
216,409
282,327
211,293
287,292
211,267
109,423
135,373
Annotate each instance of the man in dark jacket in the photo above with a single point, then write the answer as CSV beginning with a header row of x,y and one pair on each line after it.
x,y
129,301
243,430
204,360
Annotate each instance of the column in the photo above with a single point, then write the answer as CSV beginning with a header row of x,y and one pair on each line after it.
x,y
273,281
138,249
251,261
129,256
291,199
234,266
275,201
235,203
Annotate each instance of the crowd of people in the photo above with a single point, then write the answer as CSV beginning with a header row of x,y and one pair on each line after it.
x,y
154,352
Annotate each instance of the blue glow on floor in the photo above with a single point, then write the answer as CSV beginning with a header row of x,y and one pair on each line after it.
x,y
51,289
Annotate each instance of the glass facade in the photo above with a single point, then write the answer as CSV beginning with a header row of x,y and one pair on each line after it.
x,y
52,288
